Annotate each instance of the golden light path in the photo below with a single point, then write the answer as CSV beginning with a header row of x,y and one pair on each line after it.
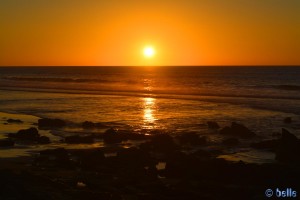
x,y
149,118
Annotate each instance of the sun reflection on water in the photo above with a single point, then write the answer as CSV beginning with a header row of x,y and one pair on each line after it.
x,y
148,85
148,117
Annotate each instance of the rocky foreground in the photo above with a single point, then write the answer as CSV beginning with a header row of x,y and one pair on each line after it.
x,y
158,168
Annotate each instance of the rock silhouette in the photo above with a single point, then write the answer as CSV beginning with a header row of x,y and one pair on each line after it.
x,y
237,130
161,143
112,136
47,123
30,134
288,148
92,125
17,121
192,139
43,140
58,157
26,134
6,143
213,125
79,139
266,144
287,120
230,142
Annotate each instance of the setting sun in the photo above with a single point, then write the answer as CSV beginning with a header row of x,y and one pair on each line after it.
x,y
149,52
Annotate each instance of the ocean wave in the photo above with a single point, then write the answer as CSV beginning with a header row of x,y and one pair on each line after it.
x,y
287,87
56,79
174,94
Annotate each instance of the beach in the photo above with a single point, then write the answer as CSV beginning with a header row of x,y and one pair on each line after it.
x,y
148,133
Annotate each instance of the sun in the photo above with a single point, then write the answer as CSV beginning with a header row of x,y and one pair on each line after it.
x,y
149,52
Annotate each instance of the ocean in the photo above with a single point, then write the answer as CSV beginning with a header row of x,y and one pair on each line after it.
x,y
148,98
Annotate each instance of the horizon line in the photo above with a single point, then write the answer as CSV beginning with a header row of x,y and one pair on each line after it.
x,y
4,66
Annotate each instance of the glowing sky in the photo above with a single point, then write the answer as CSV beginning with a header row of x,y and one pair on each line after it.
x,y
183,32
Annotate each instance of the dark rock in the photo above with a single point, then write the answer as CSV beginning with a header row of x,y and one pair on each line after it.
x,y
26,134
230,141
266,144
92,125
213,125
202,140
225,131
6,143
91,160
54,152
100,125
129,135
134,136
112,136
288,148
180,165
276,134
54,158
146,146
79,139
241,130
129,163
288,138
134,156
14,121
162,143
237,130
88,125
111,131
192,138
287,120
43,140
30,134
162,139
116,136
47,123
202,154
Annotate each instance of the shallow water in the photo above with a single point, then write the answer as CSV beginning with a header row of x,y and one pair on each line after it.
x,y
143,113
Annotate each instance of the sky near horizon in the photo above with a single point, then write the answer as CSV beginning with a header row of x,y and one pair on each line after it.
x,y
182,32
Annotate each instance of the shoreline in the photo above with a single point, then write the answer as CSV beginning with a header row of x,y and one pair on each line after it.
x,y
233,152
158,167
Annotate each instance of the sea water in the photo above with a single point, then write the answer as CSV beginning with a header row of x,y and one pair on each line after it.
x,y
142,99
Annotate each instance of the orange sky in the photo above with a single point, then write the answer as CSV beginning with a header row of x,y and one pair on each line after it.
x,y
190,32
